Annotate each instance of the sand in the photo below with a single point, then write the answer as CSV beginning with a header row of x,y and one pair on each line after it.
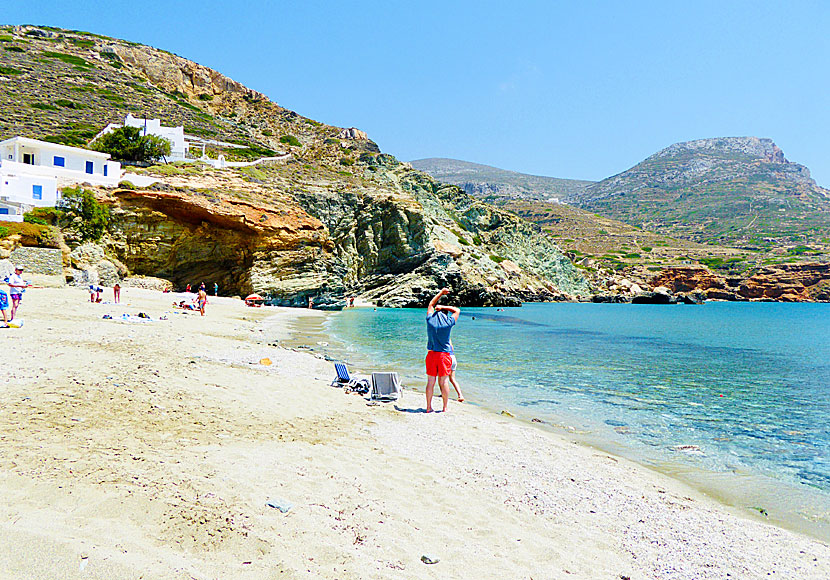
x,y
150,450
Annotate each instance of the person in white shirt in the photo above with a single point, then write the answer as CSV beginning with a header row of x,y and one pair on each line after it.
x,y
17,286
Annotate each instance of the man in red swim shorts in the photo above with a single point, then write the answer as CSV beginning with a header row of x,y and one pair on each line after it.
x,y
440,320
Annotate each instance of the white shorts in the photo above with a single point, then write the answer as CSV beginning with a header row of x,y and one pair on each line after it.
x,y
454,362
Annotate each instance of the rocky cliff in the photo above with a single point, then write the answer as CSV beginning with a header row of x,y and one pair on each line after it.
x,y
334,217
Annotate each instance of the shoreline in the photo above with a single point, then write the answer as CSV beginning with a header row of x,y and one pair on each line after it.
x,y
152,448
751,494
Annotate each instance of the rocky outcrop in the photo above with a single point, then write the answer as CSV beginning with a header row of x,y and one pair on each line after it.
x,y
189,238
354,134
784,282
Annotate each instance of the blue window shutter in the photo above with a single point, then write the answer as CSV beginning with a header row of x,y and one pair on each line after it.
x,y
37,192
105,169
4,211
59,161
90,166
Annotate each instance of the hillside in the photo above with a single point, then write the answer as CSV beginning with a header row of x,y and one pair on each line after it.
x,y
738,191
335,218
492,183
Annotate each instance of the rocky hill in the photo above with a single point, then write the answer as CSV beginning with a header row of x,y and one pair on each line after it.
x,y
738,191
494,184
336,217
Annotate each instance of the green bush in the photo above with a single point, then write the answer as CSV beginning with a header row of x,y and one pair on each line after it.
x,y
267,132
95,217
347,161
67,58
5,38
497,259
127,144
44,106
31,219
646,248
205,97
631,256
13,49
332,141
4,231
7,70
67,104
290,140
463,242
125,184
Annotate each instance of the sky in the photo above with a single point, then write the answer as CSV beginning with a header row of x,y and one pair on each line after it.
x,y
581,89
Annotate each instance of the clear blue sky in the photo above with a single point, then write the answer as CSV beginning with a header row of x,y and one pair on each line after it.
x,y
569,89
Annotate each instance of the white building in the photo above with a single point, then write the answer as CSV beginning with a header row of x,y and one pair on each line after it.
x,y
178,145
32,171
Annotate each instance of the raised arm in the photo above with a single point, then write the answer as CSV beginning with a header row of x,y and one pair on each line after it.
x,y
434,301
451,309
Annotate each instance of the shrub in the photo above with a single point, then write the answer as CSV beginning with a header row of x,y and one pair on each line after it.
x,y
67,104
13,49
631,256
463,242
44,106
32,219
332,141
497,259
6,38
646,248
125,184
7,70
4,231
290,140
347,161
67,58
267,132
127,144
95,217
205,97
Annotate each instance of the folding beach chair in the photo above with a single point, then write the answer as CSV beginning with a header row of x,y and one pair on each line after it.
x,y
343,379
386,387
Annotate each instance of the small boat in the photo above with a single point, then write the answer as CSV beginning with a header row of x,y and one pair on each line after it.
x,y
254,300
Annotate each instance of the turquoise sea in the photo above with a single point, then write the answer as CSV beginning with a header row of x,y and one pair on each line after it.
x,y
732,397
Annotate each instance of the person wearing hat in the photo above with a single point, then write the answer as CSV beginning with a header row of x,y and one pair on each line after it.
x,y
17,286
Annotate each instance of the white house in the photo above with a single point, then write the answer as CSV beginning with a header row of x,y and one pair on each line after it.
x,y
178,145
32,171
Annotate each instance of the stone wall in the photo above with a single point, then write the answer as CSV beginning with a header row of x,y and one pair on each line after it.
x,y
47,261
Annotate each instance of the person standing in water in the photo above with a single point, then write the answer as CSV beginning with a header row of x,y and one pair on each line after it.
x,y
440,320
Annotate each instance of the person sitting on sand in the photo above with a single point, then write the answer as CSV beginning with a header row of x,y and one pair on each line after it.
x,y
439,361
202,299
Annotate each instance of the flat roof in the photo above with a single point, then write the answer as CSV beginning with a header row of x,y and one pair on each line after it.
x,y
56,146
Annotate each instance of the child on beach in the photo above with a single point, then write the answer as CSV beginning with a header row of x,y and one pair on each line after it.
x,y
452,374
4,306
116,293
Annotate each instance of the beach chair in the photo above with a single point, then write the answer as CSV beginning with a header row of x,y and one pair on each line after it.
x,y
386,387
347,382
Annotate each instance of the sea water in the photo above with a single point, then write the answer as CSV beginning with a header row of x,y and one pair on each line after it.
x,y
733,396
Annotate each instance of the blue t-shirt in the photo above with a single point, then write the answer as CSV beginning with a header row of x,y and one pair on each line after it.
x,y
439,326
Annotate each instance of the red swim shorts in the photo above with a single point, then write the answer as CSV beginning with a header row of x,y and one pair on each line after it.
x,y
439,364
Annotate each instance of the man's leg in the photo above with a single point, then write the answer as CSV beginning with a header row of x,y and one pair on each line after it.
x,y
15,303
430,391
443,383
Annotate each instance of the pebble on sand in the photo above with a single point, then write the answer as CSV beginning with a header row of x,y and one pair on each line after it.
x,y
430,559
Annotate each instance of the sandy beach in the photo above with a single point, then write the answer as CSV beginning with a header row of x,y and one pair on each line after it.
x,y
151,450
